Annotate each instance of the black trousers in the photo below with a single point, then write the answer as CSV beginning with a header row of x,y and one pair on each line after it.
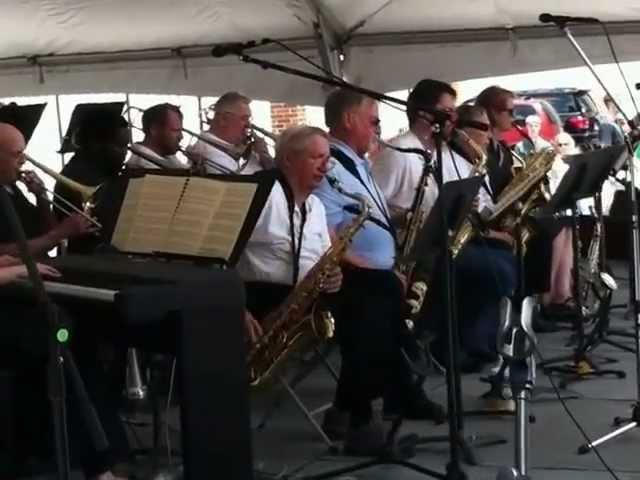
x,y
25,349
369,327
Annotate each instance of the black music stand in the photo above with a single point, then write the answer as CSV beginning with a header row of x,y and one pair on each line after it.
x,y
584,179
452,207
24,117
83,114
60,358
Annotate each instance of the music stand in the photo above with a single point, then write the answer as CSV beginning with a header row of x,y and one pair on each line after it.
x,y
24,117
87,114
584,179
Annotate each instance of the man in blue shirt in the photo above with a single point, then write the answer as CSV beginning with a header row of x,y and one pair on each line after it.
x,y
369,307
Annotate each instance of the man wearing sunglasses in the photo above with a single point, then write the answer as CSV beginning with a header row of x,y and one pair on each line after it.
x,y
399,174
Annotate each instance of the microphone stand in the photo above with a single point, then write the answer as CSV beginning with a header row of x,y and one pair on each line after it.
x,y
59,357
634,287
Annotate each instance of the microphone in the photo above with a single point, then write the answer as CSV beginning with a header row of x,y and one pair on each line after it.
x,y
564,19
236,48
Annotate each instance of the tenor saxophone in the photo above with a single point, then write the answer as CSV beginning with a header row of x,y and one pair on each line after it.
x,y
300,321
418,281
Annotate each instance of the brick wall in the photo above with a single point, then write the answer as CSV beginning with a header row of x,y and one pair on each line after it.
x,y
284,115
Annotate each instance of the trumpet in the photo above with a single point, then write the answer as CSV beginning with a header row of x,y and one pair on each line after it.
x,y
86,192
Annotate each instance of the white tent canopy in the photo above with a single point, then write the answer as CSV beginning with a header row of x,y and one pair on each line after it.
x,y
158,46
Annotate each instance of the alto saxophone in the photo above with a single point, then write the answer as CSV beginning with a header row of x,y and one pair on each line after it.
x,y
521,195
300,322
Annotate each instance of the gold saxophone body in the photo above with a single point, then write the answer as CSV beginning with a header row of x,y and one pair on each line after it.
x,y
520,196
300,322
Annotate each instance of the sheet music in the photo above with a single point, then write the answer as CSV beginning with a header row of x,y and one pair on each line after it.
x,y
183,215
209,218
146,213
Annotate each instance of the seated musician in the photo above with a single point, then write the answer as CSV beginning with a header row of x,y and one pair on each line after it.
x,y
102,140
229,131
498,103
43,231
479,291
25,348
291,233
162,127
369,308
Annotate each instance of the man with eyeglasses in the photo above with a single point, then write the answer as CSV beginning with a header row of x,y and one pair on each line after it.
x,y
478,293
42,229
227,146
369,307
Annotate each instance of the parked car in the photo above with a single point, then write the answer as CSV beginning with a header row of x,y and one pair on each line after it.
x,y
550,126
577,110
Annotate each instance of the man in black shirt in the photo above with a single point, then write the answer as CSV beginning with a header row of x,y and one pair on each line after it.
x,y
101,142
42,230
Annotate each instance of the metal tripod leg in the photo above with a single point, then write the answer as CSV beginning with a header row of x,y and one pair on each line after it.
x,y
587,447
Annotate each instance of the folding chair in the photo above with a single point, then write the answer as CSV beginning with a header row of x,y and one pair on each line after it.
x,y
319,357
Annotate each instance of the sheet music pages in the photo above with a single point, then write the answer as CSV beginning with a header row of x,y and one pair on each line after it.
x,y
145,216
209,218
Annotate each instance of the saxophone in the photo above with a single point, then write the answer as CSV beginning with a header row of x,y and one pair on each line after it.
x,y
521,194
300,322
596,284
419,285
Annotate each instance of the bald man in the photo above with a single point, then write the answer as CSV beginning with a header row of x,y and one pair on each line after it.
x,y
42,230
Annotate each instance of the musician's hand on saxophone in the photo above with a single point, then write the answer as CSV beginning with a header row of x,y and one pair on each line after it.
x,y
333,281
253,328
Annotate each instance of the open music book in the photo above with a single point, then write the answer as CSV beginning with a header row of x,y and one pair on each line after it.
x,y
189,216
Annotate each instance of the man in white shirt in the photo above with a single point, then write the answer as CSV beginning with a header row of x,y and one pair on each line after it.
x,y
399,174
162,127
224,147
291,234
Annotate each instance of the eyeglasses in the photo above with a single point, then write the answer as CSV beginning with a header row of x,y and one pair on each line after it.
x,y
485,127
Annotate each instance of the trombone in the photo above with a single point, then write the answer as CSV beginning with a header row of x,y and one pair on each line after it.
x,y
235,153
87,193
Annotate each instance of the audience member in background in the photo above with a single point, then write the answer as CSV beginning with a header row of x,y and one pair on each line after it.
x,y
535,143
610,131
559,296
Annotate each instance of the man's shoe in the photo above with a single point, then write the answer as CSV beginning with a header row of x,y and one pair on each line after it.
x,y
417,407
335,424
366,440
421,407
